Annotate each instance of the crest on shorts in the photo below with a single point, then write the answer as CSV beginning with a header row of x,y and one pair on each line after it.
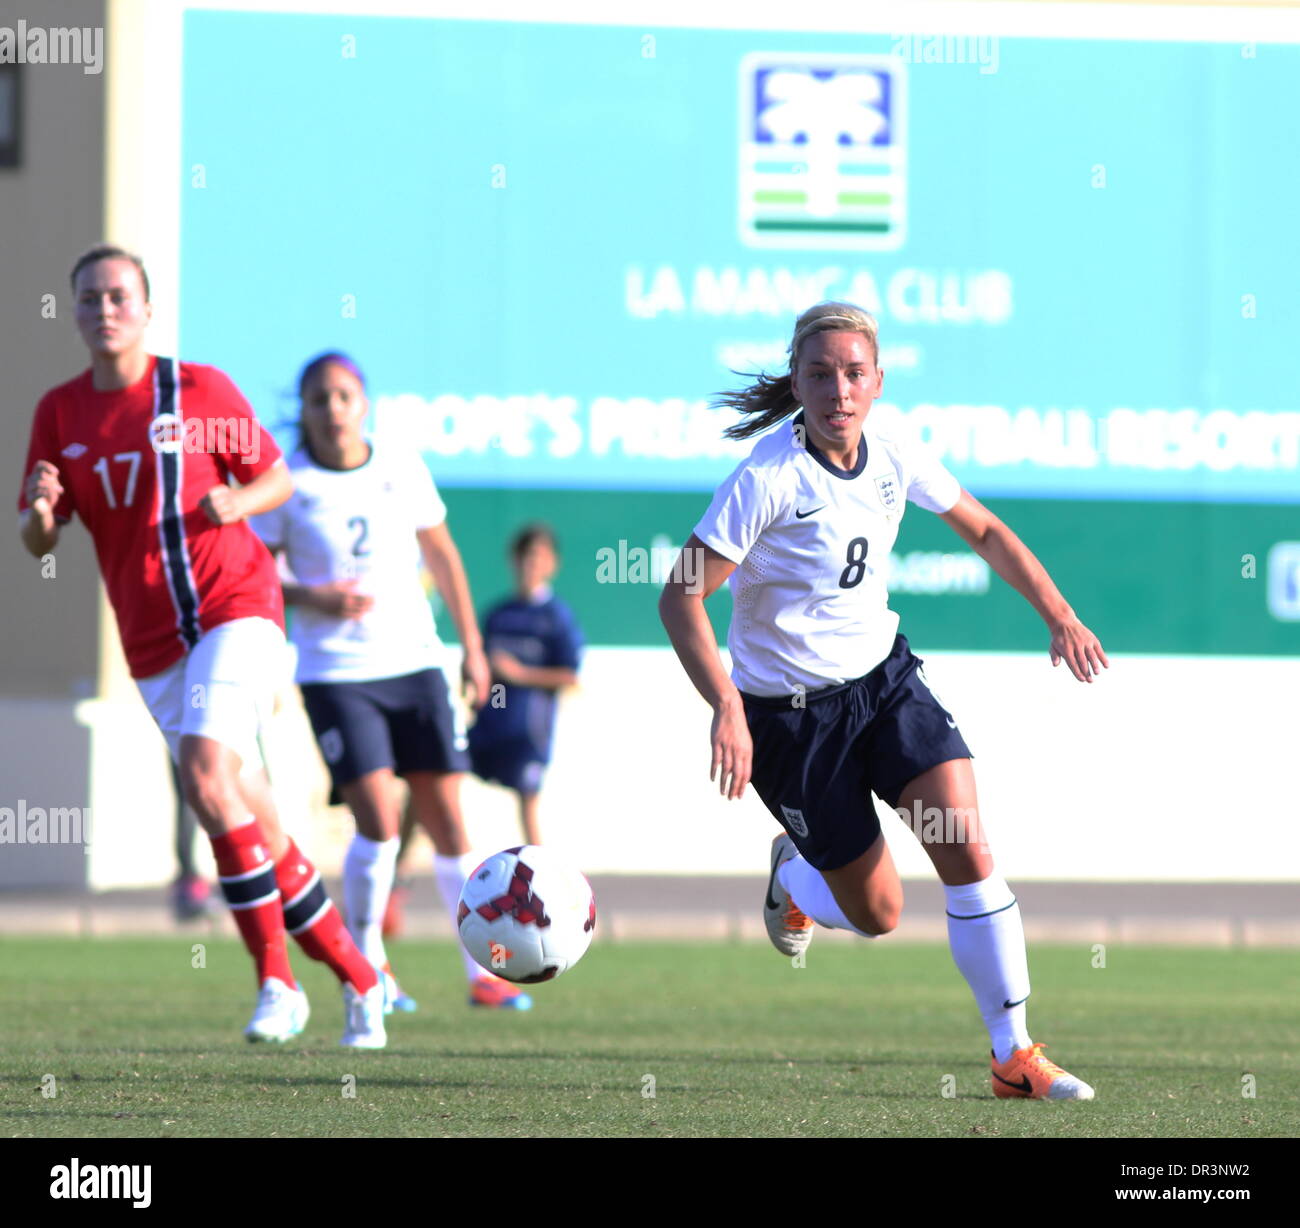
x,y
331,745
795,821
887,489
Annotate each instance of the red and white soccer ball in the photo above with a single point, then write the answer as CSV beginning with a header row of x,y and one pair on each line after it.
x,y
526,914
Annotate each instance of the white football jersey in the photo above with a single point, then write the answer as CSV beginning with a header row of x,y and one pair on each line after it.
x,y
359,524
812,544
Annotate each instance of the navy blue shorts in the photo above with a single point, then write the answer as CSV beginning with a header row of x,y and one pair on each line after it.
x,y
406,724
817,765
516,764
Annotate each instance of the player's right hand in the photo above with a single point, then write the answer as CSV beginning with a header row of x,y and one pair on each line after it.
x,y
43,489
733,750
341,600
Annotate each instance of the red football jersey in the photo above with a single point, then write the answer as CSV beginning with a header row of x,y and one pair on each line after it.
x,y
134,463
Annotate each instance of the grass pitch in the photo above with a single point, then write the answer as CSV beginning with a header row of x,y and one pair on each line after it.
x,y
647,1040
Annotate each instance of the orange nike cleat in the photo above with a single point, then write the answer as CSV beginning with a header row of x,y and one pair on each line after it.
x,y
1028,1075
789,928
493,991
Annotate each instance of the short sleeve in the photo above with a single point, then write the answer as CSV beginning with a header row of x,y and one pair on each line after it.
x,y
245,448
744,505
425,502
929,483
45,446
566,642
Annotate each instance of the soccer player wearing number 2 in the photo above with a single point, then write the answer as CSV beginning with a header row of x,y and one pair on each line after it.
x,y
141,449
826,703
362,518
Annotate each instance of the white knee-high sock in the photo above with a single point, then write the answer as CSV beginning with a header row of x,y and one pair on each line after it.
x,y
987,940
451,873
812,894
368,868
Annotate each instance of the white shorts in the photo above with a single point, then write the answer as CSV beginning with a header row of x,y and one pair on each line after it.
x,y
224,688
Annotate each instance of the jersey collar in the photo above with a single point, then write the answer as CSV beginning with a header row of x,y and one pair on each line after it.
x,y
846,475
324,468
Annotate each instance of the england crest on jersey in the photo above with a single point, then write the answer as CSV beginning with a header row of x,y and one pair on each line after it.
x,y
823,158
887,489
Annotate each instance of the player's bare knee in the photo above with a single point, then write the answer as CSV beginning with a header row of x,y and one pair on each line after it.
x,y
965,863
883,920
874,916
211,794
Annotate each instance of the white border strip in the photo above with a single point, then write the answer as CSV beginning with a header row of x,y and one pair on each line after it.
x,y
1261,22
142,150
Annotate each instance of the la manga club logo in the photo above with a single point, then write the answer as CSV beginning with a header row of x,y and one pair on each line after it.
x,y
823,154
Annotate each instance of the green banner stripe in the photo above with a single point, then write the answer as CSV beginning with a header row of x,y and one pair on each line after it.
x,y
1177,578
768,196
834,227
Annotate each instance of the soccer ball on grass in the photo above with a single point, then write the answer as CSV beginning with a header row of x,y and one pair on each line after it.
x,y
526,915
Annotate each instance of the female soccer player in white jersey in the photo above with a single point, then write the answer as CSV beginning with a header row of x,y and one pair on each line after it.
x,y
826,703
353,533
141,448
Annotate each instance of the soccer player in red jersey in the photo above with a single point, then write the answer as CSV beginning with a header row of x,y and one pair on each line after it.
x,y
141,448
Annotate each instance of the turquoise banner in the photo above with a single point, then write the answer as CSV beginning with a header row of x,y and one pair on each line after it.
x,y
547,244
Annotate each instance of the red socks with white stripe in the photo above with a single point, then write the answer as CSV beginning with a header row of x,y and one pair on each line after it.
x,y
248,883
310,916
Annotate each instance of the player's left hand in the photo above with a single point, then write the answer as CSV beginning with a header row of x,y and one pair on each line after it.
x,y
477,677
222,505
1074,644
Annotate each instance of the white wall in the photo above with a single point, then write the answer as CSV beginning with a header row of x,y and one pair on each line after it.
x,y
1165,768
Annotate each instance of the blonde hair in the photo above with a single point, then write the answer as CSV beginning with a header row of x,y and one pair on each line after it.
x,y
770,398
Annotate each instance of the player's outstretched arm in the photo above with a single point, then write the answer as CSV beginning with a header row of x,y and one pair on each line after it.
x,y
38,528
444,563
998,546
698,573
